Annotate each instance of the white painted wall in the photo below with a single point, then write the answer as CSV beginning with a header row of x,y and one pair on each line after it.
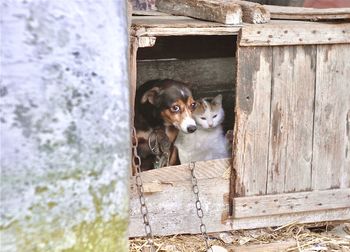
x,y
64,125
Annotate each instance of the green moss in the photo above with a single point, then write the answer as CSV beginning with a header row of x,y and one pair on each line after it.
x,y
51,204
101,236
40,189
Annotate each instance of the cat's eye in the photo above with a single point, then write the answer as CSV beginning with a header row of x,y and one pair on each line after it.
x,y
175,109
215,116
203,118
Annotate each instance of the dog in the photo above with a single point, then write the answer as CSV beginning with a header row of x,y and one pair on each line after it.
x,y
162,108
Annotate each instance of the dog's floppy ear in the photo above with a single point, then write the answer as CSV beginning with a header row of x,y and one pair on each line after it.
x,y
150,95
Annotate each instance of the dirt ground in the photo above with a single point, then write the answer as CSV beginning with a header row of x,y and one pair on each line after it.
x,y
334,236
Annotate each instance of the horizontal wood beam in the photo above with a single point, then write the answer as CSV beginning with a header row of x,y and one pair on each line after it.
x,y
223,12
178,26
266,205
300,13
280,33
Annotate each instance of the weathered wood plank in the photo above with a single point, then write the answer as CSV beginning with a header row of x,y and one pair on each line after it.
x,y
216,74
313,14
204,170
294,33
331,158
284,219
291,124
148,13
178,26
267,205
254,13
212,10
146,41
252,117
132,73
133,46
171,205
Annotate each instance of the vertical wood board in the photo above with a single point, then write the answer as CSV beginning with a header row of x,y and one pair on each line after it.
x,y
331,153
291,124
132,73
252,116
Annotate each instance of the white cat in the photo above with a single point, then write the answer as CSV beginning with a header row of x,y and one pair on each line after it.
x,y
208,141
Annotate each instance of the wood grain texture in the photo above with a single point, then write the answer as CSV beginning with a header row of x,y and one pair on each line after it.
x,y
171,205
291,123
313,14
133,47
331,158
212,10
294,33
252,118
146,41
267,205
254,13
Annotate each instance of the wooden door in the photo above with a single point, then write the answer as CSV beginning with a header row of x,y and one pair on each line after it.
x,y
292,137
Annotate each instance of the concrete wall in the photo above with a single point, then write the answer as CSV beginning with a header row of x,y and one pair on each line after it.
x,y
64,119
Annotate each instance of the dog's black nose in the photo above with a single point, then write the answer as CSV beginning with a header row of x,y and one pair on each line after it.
x,y
191,128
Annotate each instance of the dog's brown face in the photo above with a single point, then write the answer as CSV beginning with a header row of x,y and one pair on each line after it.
x,y
175,103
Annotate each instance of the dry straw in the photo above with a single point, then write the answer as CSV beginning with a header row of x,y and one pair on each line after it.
x,y
323,236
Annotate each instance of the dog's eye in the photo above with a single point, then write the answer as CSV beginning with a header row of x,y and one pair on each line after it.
x,y
215,116
175,108
203,118
193,105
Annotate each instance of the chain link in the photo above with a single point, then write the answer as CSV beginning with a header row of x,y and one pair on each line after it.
x,y
199,209
136,161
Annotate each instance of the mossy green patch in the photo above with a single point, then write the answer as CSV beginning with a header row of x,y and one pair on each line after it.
x,y
102,236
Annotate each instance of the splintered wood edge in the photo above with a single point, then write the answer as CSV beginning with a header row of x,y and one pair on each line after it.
x,y
254,13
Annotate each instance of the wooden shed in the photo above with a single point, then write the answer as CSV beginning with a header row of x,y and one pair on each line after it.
x,y
286,87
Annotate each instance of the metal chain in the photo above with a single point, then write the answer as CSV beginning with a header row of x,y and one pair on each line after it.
x,y
199,209
136,161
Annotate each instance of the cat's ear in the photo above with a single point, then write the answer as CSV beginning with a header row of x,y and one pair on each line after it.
x,y
150,95
217,100
204,103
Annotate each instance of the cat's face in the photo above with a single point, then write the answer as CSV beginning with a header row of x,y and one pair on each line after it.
x,y
209,112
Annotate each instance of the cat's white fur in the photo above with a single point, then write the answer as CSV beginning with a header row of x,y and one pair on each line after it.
x,y
208,141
